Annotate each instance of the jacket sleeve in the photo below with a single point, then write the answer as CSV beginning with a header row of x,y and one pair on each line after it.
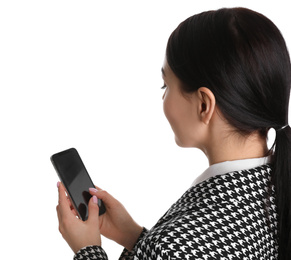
x,y
97,252
128,255
91,252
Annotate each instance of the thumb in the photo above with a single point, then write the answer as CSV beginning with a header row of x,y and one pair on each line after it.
x,y
107,199
93,211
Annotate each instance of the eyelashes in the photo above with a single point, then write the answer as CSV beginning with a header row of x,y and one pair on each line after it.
x,y
164,86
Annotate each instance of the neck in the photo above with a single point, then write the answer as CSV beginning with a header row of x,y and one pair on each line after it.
x,y
235,147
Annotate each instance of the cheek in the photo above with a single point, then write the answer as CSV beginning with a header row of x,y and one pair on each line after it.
x,y
182,117
174,112
169,108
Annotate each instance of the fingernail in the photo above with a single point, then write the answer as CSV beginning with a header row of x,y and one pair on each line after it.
x,y
95,200
93,189
58,184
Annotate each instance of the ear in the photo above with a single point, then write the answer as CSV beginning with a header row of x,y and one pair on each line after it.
x,y
206,104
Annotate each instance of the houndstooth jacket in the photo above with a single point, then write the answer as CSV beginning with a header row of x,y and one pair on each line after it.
x,y
229,216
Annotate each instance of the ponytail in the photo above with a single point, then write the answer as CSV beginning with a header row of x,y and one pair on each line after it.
x,y
281,178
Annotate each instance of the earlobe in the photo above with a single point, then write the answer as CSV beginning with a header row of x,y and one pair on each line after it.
x,y
207,104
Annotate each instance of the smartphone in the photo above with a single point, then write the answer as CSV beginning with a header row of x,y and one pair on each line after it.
x,y
73,174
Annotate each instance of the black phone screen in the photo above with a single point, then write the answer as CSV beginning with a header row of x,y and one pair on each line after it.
x,y
74,176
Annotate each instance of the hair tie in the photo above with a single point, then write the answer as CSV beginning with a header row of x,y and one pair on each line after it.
x,y
282,128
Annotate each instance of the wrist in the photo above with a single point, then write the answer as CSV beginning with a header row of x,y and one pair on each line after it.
x,y
132,237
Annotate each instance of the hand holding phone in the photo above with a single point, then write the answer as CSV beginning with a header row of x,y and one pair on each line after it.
x,y
73,174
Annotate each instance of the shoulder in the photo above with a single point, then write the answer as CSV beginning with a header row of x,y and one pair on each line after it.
x,y
223,214
238,186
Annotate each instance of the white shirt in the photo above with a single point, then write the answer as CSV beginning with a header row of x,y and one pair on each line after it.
x,y
230,166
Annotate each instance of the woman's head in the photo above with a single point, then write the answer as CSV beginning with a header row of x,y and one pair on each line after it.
x,y
242,58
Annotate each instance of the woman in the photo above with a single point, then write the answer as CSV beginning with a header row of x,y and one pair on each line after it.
x,y
227,80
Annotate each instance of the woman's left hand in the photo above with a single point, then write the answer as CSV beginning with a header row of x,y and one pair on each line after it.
x,y
76,232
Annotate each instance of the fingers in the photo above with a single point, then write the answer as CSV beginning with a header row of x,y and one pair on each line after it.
x,y
98,188
93,211
64,207
63,201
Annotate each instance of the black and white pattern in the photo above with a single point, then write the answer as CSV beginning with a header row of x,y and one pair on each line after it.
x,y
230,216
91,252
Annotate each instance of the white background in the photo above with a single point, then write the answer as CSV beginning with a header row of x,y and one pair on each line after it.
x,y
87,74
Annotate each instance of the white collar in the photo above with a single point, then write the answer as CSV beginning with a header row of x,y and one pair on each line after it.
x,y
230,166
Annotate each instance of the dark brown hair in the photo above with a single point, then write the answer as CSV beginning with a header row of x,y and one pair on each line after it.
x,y
241,56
